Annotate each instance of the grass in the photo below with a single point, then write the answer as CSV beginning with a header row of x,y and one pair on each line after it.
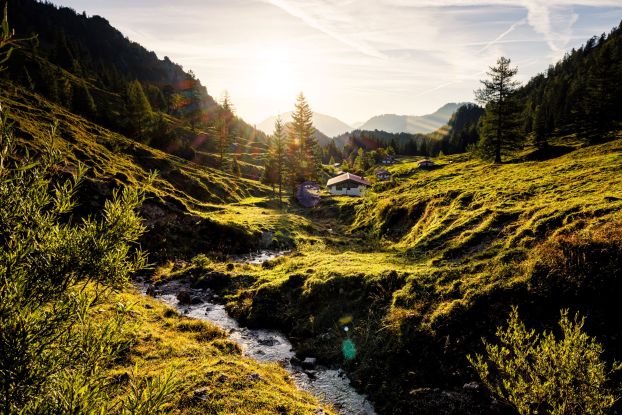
x,y
191,207
211,374
430,264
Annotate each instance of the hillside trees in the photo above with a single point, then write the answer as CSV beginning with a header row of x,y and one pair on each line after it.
x,y
540,374
302,149
499,131
277,158
55,271
223,129
581,94
138,108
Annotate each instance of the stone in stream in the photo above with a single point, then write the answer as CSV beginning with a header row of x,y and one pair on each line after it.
x,y
196,300
268,342
151,290
184,296
309,363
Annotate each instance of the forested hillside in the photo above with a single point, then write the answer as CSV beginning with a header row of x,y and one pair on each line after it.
x,y
581,94
90,68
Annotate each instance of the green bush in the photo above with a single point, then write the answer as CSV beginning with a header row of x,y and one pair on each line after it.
x,y
539,374
54,273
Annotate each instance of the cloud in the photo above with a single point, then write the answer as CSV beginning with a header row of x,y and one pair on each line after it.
x,y
553,19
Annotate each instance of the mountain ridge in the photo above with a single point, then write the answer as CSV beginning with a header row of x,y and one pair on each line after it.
x,y
412,124
326,124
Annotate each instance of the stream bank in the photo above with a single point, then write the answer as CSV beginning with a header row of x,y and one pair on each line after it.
x,y
330,384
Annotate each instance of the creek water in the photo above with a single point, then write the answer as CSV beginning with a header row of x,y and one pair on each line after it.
x,y
330,385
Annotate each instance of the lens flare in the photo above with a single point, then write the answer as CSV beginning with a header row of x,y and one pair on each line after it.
x,y
349,349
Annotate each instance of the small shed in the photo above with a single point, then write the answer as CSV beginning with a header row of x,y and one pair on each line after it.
x,y
382,174
308,194
426,163
347,184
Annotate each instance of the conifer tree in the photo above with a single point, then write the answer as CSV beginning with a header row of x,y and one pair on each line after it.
x,y
223,128
277,154
303,148
499,128
138,107
82,101
539,127
235,167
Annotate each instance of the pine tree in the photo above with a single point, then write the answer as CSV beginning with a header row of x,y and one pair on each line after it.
x,y
223,128
235,167
277,154
539,128
82,101
138,107
499,131
302,139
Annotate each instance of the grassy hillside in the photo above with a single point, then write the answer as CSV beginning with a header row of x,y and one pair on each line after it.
x,y
210,374
441,257
190,208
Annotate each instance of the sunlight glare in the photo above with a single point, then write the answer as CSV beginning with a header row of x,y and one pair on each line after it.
x,y
274,78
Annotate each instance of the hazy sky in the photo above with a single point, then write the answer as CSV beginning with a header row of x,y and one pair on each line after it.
x,y
353,58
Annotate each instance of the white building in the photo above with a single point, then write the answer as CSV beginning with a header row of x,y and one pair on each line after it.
x,y
347,184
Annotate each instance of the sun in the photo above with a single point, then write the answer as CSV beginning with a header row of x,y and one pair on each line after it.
x,y
274,75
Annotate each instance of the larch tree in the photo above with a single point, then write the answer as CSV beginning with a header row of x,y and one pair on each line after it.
x,y
500,123
223,128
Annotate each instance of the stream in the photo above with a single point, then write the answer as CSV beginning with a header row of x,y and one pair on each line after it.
x,y
329,385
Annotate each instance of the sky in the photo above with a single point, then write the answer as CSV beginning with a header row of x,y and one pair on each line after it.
x,y
353,59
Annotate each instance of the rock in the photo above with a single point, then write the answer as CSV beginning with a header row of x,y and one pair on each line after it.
x,y
309,363
148,306
179,264
230,267
268,342
212,279
151,290
311,374
295,361
222,378
200,394
196,300
255,376
184,296
472,386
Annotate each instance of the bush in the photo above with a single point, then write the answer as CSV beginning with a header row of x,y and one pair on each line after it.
x,y
538,374
583,263
54,272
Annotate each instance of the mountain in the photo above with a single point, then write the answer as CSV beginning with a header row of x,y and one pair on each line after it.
x,y
329,126
412,124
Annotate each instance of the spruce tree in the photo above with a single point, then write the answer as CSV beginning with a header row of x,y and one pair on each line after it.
x,y
500,124
223,128
138,107
82,101
302,138
277,154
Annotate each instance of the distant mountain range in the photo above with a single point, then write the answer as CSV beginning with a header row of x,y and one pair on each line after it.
x,y
391,123
412,124
329,126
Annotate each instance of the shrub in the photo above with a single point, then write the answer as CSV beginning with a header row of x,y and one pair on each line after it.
x,y
539,374
54,271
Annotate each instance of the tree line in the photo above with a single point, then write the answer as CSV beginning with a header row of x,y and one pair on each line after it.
x,y
90,68
294,155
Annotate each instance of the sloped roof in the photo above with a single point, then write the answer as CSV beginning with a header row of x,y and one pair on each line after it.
x,y
345,177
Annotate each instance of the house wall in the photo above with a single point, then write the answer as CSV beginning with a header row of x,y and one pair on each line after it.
x,y
352,191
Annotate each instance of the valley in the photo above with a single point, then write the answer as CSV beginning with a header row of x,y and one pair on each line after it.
x,y
157,255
